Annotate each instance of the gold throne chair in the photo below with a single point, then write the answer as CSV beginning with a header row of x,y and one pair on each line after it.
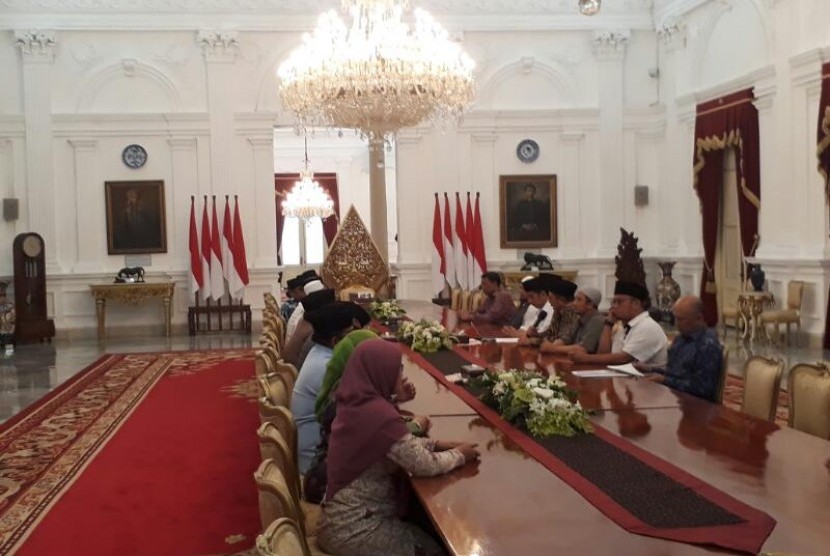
x,y
354,266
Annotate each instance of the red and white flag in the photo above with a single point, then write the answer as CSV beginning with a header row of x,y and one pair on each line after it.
x,y
472,276
478,242
195,257
227,241
449,257
439,268
459,245
205,239
217,281
239,276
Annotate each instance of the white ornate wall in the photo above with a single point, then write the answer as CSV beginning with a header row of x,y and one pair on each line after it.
x,y
198,90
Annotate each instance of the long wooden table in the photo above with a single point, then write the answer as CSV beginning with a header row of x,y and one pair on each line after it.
x,y
508,503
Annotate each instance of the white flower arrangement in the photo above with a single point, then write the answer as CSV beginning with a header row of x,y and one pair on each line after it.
x,y
386,310
425,336
542,404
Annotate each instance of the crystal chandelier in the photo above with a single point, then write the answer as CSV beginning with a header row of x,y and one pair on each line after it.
x,y
307,199
589,7
380,74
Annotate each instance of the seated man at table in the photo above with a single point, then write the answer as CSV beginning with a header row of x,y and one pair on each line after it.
x,y
585,304
303,331
331,322
310,284
695,356
639,340
518,318
535,328
498,306
565,321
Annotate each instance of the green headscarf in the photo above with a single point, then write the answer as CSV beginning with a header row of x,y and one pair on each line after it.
x,y
336,365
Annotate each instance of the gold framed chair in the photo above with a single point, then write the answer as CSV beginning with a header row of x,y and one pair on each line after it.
x,y
455,299
275,498
730,313
790,315
724,371
809,389
476,300
282,538
273,388
762,382
272,445
464,303
281,417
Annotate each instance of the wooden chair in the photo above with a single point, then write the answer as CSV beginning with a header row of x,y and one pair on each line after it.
x,y
809,389
282,538
272,445
281,417
464,302
762,381
283,366
727,314
792,314
476,300
262,365
273,388
455,299
724,370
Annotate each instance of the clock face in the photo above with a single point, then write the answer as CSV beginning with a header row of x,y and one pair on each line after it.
x,y
32,246
134,156
528,150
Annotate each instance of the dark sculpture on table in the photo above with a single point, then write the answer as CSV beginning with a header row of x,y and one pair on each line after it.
x,y
540,262
130,275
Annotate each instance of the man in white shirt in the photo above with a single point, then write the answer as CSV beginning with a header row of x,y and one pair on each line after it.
x,y
539,312
314,285
639,340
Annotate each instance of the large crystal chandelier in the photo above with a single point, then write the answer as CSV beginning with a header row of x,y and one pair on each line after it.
x,y
380,74
307,199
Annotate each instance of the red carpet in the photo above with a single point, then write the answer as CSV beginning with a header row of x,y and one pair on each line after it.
x,y
143,454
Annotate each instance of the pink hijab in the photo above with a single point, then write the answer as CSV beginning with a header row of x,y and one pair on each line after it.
x,y
367,424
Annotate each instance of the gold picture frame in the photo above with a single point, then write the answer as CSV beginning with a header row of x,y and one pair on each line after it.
x,y
527,211
135,217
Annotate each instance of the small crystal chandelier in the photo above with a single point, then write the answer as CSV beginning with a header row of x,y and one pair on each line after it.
x,y
589,7
379,75
307,200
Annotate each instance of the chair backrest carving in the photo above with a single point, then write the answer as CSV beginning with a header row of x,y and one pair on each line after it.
x,y
762,380
809,389
282,538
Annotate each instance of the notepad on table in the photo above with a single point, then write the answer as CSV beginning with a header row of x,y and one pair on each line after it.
x,y
628,369
598,373
507,340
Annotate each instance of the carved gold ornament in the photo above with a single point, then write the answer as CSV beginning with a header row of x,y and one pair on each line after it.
x,y
354,259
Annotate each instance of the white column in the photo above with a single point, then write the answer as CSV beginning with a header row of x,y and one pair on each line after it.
x,y
91,244
262,253
485,182
184,173
676,150
609,51
220,50
570,212
37,51
413,198
377,198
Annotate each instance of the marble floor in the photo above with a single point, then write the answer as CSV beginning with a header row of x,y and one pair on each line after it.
x,y
33,370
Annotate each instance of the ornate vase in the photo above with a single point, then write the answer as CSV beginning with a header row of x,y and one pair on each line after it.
x,y
668,290
757,277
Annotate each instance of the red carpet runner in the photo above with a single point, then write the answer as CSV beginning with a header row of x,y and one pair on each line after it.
x,y
141,454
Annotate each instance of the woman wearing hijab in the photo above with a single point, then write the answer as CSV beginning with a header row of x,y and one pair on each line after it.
x,y
369,447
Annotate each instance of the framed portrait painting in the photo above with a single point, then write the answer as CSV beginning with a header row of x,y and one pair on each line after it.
x,y
527,209
135,217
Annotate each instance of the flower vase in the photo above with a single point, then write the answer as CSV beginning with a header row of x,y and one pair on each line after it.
x,y
668,290
757,277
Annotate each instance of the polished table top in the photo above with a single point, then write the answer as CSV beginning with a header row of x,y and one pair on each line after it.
x,y
508,503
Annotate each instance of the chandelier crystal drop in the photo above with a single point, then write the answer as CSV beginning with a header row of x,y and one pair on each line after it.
x,y
589,7
307,200
378,75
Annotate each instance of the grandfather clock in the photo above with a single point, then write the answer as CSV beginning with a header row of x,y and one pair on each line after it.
x,y
30,290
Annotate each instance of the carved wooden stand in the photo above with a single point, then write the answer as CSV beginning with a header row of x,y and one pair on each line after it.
x,y
209,318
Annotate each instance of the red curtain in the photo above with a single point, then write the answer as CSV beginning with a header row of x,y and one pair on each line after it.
x,y
823,153
283,184
729,121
